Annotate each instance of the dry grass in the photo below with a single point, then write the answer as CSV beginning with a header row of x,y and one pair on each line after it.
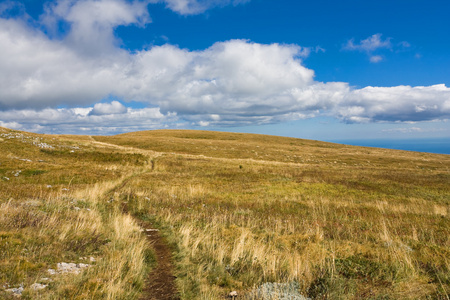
x,y
346,224
240,210
57,209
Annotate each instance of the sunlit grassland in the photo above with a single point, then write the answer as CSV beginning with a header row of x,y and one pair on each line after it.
x,y
56,210
344,222
239,210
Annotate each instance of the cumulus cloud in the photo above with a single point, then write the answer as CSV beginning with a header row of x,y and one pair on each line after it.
x,y
234,78
235,82
396,104
92,21
193,7
39,72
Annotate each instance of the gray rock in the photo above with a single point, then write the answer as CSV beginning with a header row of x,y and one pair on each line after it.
x,y
51,271
16,291
278,291
67,268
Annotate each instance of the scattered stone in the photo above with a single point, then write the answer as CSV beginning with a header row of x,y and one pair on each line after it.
x,y
43,145
233,295
6,178
17,292
149,230
278,291
76,208
67,268
51,271
64,189
49,186
38,286
27,160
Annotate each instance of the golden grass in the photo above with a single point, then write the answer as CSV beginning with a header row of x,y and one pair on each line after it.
x,y
57,210
240,210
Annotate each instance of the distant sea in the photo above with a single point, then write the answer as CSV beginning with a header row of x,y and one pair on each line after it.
x,y
431,145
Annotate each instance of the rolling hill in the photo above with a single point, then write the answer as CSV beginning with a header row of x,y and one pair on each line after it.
x,y
259,215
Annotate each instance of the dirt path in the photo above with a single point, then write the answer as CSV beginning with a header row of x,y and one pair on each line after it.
x,y
160,284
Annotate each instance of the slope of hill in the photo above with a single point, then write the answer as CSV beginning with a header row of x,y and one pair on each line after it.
x,y
322,220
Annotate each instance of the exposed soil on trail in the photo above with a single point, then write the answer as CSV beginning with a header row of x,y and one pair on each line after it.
x,y
160,284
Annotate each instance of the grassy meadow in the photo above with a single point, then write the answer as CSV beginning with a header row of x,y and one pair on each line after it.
x,y
238,210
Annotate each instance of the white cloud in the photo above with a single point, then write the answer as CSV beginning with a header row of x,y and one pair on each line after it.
x,y
112,108
38,72
236,82
193,7
376,59
92,21
404,130
370,44
319,49
71,120
234,77
393,104
404,44
375,44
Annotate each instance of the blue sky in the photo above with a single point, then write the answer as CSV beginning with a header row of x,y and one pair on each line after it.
x,y
324,70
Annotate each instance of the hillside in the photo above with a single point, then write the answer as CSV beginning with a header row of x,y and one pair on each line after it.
x,y
237,211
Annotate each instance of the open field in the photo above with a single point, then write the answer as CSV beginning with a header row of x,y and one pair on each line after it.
x,y
328,221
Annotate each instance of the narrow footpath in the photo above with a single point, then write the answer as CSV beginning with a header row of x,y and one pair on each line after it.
x,y
160,284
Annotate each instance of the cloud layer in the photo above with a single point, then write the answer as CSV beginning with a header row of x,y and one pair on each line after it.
x,y
83,120
235,82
